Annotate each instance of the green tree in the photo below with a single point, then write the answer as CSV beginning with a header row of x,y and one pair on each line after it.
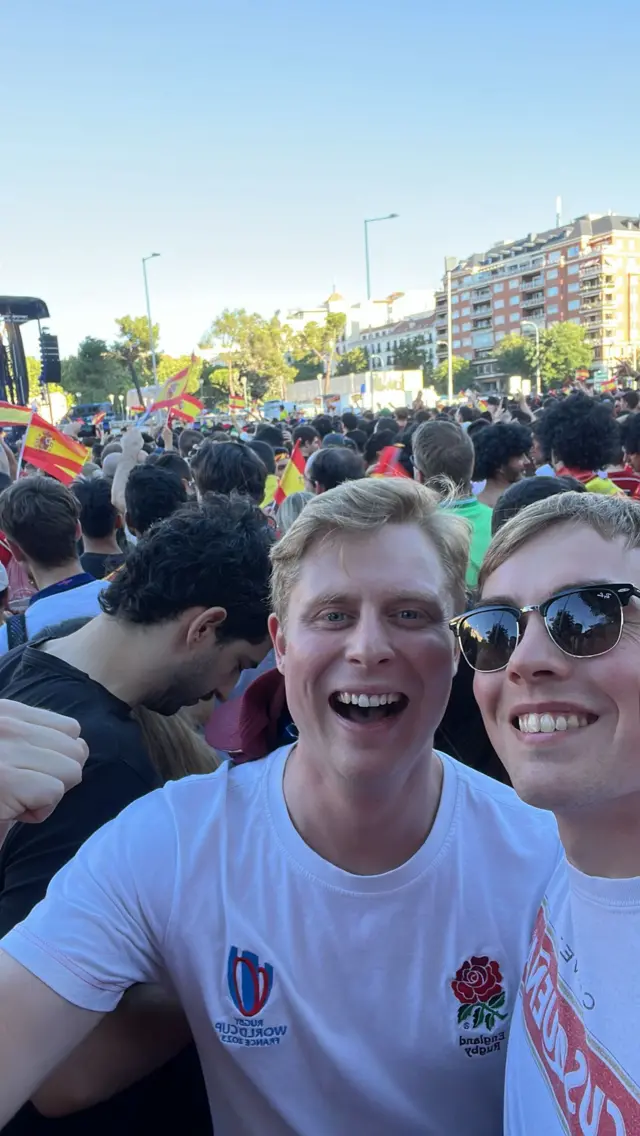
x,y
463,375
94,373
133,349
320,342
352,362
254,350
411,355
516,355
563,349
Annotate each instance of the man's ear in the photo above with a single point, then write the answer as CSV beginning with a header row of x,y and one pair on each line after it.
x,y
206,623
276,632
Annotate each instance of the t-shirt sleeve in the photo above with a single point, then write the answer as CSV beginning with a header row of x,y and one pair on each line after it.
x,y
33,853
101,927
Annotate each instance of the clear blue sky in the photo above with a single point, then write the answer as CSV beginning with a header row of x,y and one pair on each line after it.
x,y
246,141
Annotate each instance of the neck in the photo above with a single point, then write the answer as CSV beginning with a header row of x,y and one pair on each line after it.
x,y
106,545
604,842
115,655
343,821
494,488
46,577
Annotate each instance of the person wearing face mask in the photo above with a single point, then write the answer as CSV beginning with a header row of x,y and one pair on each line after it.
x,y
555,644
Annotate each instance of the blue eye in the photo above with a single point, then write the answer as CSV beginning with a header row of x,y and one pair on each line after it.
x,y
334,616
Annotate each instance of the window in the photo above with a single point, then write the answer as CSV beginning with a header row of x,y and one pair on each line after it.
x,y
573,305
455,299
498,320
554,257
457,343
552,291
573,269
466,327
514,317
574,250
552,274
466,311
498,303
514,284
466,343
552,309
498,287
573,287
465,295
513,300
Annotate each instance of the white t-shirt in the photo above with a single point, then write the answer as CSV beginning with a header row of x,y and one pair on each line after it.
x,y
321,1002
50,610
574,1058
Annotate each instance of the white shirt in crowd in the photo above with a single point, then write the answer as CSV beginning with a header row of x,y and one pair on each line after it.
x,y
320,1001
75,603
574,1058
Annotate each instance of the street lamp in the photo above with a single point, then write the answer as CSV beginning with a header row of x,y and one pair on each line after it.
x,y
450,263
151,336
370,221
530,323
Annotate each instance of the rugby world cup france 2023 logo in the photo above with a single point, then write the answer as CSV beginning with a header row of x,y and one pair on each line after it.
x,y
249,983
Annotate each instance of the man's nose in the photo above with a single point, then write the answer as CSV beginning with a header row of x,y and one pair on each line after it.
x,y
536,655
369,641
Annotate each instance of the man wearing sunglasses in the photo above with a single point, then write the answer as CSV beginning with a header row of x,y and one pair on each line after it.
x,y
555,643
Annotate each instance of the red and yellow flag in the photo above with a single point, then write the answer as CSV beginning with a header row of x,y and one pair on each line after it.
x,y
175,387
388,463
292,480
187,408
55,453
236,403
98,418
11,415
609,385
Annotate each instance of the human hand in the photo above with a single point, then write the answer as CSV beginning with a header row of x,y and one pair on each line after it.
x,y
41,758
167,437
132,443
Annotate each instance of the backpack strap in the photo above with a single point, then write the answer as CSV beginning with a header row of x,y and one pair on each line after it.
x,y
17,633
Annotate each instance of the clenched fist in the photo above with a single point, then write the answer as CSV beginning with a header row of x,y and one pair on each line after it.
x,y
41,757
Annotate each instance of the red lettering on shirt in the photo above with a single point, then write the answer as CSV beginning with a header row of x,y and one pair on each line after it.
x,y
592,1093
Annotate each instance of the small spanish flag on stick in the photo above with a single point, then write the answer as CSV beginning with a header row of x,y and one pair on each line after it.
x,y
11,415
46,448
388,463
292,480
187,408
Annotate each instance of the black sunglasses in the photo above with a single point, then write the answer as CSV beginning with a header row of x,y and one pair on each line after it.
x,y
582,621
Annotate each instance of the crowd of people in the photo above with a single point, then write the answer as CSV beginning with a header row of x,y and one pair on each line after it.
x,y
319,810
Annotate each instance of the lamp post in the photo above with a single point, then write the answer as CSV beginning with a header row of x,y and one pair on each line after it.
x,y
450,263
151,336
530,323
371,221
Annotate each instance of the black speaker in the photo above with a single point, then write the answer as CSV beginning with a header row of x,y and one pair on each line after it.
x,y
50,355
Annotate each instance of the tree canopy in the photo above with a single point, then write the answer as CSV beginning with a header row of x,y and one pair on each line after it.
x,y
516,355
563,351
254,350
463,375
315,347
353,362
94,372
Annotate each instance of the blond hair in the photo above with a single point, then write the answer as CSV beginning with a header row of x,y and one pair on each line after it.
x,y
364,506
174,748
613,518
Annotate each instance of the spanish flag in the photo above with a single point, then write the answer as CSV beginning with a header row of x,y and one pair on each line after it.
x,y
53,452
11,415
174,387
388,463
98,418
187,408
236,403
292,480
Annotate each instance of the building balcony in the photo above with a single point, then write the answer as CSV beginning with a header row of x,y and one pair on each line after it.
x,y
535,300
480,293
480,324
596,285
598,303
593,268
532,282
481,310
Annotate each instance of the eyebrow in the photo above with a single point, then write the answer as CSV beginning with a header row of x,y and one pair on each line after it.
x,y
327,599
488,601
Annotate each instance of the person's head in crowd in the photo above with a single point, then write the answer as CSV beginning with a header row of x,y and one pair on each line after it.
x,y
111,448
349,421
493,402
630,400
521,416
386,424
229,467
97,450
40,519
291,509
190,605
172,461
265,452
584,665
267,432
359,439
110,464
579,433
631,441
443,455
539,453
502,455
333,439
322,424
402,417
478,424
187,442
466,414
376,443
526,492
330,467
150,495
342,545
309,439
99,519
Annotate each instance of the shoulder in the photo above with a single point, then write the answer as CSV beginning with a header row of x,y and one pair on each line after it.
x,y
54,609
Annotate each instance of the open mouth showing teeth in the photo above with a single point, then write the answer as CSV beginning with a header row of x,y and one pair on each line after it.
x,y
552,723
370,708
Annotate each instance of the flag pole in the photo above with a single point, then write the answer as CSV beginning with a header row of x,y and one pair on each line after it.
x,y
24,442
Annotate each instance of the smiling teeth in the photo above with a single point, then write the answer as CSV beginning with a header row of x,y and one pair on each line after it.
x,y
550,723
366,700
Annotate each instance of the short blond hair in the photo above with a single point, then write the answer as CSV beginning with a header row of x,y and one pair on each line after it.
x,y
613,518
364,506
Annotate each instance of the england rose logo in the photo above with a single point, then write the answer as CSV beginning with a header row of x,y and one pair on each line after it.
x,y
478,987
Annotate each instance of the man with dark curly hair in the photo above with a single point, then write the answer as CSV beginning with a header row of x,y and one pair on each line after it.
x,y
583,438
502,455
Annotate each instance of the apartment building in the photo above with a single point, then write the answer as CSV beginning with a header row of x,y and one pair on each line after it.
x,y
382,342
587,272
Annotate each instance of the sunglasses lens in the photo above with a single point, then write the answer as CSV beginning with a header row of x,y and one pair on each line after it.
x,y
488,638
586,622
